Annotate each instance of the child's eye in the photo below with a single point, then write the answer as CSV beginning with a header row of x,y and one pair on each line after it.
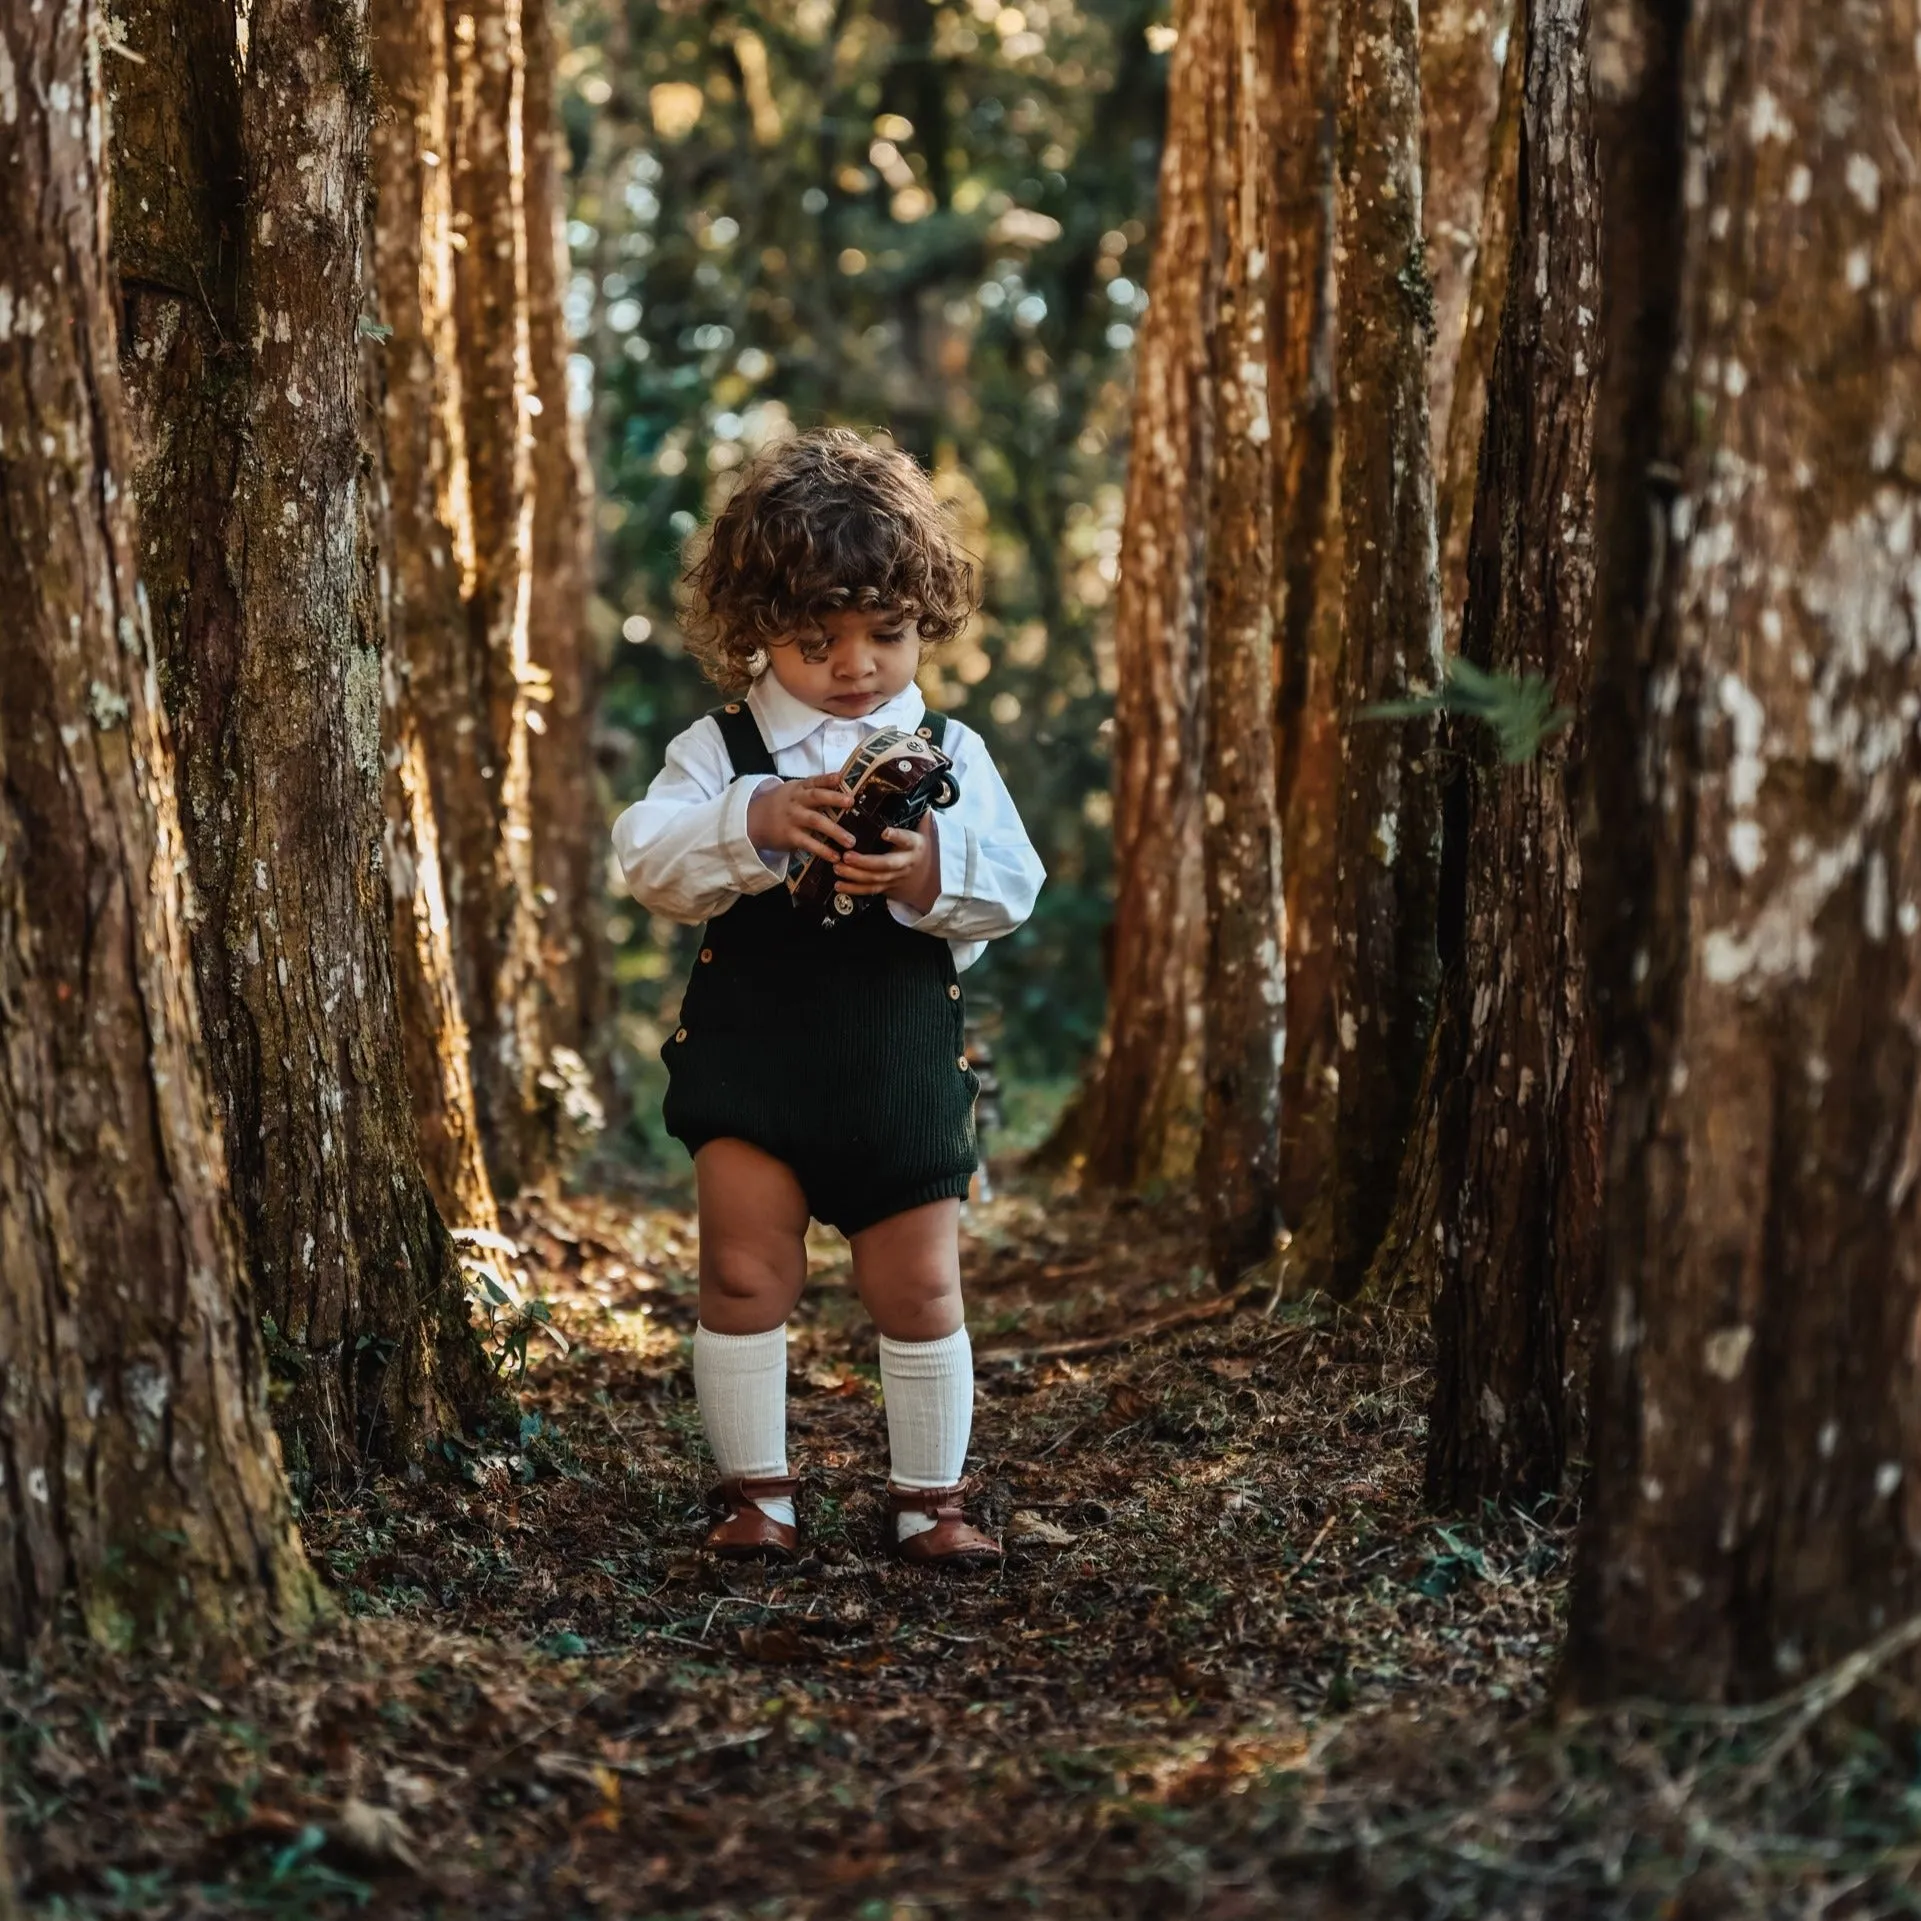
x,y
887,639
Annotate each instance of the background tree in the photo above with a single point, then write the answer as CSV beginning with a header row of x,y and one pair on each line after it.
x,y
418,459
141,1485
1144,1100
1500,1192
1755,847
238,197
1388,831
1306,582
1243,978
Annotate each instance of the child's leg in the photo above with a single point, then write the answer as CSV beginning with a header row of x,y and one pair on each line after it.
x,y
908,1272
753,1263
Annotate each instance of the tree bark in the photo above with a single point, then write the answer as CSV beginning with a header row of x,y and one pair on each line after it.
x,y
139,1482
1243,982
1307,581
242,267
1460,91
1388,833
417,445
1146,1104
570,832
1756,1501
477,708
1458,456
1498,1217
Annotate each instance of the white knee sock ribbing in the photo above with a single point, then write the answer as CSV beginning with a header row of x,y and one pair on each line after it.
x,y
929,1389
741,1383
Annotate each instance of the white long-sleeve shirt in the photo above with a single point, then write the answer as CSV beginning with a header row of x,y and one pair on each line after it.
x,y
686,855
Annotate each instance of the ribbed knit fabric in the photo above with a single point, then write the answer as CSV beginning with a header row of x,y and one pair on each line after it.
x,y
741,1383
840,1052
929,1390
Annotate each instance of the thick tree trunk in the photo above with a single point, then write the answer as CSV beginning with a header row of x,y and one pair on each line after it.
x,y
570,832
1756,1502
139,1481
243,356
1146,1102
418,389
1458,452
1242,986
1460,89
1388,834
1499,1208
1307,580
476,711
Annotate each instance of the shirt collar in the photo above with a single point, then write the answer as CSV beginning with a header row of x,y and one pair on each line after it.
x,y
785,721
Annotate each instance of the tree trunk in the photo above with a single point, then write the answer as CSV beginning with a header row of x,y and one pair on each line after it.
x,y
1147,1100
1756,1501
1388,833
139,1482
1307,582
570,831
1238,1169
483,790
413,267
243,297
1458,457
1498,1217
1460,90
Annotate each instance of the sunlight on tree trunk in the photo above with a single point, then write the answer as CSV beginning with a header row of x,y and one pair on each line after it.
x,y
1147,1089
238,193
141,1483
1388,834
413,273
570,832
1457,453
1238,1167
1460,92
1754,848
1500,1190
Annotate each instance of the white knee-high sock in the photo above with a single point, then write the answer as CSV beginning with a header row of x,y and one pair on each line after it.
x,y
929,1389
741,1383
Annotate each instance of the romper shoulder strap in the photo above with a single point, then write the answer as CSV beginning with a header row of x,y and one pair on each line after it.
x,y
740,733
934,726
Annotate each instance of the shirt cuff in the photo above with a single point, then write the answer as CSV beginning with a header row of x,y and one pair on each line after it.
x,y
957,852
751,870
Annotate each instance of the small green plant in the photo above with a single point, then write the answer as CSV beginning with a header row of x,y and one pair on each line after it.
x,y
1519,708
509,1319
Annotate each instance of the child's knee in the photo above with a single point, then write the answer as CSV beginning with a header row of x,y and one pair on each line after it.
x,y
915,1305
748,1292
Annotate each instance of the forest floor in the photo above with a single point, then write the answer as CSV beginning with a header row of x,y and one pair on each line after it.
x,y
1232,1666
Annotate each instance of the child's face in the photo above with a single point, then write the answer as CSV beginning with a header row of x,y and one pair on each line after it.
x,y
863,660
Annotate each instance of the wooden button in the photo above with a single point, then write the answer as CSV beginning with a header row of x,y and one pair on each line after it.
x,y
963,1063
732,707
926,733
707,953
953,993
680,1034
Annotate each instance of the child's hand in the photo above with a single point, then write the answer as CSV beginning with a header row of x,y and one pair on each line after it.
x,y
910,874
799,817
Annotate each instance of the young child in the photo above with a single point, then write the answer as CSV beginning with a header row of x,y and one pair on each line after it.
x,y
821,1072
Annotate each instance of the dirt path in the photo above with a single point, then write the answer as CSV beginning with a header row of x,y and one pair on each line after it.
x,y
1230,1668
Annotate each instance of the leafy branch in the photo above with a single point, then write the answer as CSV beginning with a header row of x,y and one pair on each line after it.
x,y
1519,708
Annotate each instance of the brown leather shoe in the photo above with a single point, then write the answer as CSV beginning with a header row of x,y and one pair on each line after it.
x,y
950,1542
744,1532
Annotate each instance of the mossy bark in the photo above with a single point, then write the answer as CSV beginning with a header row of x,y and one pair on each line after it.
x,y
140,1487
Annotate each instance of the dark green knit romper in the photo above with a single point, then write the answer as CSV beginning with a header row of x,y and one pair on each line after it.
x,y
839,1051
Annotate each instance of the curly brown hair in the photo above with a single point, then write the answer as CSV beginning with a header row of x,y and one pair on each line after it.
x,y
822,523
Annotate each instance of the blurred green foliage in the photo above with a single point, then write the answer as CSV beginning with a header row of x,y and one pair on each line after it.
x,y
931,219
